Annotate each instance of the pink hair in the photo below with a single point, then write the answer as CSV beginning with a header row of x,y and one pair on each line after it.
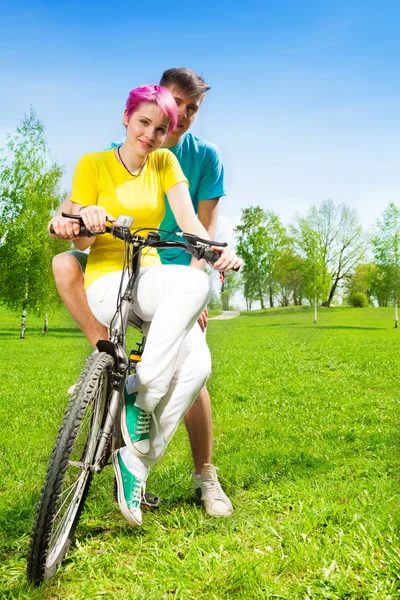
x,y
157,95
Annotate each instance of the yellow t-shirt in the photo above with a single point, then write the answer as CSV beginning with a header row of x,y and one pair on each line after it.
x,y
100,179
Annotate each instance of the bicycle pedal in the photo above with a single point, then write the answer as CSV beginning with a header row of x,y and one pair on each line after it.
x,y
150,501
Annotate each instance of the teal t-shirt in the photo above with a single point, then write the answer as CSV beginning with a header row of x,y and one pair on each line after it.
x,y
202,166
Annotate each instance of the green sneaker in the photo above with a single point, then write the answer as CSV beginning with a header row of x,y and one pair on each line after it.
x,y
129,491
135,426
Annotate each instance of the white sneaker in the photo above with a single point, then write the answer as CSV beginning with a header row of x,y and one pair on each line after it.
x,y
208,491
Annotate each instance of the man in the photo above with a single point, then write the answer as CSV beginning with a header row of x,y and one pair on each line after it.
x,y
201,164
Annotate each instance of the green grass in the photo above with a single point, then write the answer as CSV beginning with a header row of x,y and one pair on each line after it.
x,y
306,440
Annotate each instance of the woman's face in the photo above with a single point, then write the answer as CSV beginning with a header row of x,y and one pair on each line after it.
x,y
146,129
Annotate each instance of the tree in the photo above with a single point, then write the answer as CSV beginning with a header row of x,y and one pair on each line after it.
x,y
316,280
361,280
229,286
261,238
331,238
290,277
386,244
29,192
249,288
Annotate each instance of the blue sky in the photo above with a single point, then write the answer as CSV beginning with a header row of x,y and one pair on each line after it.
x,y
304,102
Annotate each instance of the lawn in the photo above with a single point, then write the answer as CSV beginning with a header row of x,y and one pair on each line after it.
x,y
306,440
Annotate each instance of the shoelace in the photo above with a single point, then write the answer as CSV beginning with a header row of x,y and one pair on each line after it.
x,y
137,493
214,489
143,423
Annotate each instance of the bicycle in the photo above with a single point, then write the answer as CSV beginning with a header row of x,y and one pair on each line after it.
x,y
85,438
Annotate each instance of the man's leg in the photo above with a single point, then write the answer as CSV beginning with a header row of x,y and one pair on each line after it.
x,y
198,423
208,490
69,281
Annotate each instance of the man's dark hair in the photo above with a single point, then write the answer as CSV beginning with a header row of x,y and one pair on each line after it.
x,y
185,80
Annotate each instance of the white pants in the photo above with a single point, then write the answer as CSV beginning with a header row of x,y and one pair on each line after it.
x,y
176,361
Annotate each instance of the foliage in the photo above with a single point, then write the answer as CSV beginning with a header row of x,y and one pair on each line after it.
x,y
249,284
228,288
261,238
362,279
306,441
314,272
215,302
358,300
29,192
290,277
386,244
330,239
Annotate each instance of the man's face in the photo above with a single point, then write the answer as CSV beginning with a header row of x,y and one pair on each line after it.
x,y
187,110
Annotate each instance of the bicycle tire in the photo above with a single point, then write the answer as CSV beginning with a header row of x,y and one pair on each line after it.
x,y
68,476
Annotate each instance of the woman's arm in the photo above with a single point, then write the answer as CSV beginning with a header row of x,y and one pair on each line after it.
x,y
182,207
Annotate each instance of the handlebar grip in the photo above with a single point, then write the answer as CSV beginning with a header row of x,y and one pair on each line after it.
x,y
210,256
83,232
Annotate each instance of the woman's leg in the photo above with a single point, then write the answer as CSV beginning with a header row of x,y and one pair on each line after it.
x,y
172,298
192,370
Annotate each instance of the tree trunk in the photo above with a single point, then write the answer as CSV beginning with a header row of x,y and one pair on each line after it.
x,y
23,321
271,298
315,309
260,296
23,316
46,323
332,291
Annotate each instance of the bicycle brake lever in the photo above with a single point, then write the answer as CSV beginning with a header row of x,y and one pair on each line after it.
x,y
193,239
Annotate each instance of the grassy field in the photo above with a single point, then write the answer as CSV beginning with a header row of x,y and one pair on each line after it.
x,y
306,440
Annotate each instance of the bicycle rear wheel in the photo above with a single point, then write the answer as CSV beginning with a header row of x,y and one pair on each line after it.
x,y
69,473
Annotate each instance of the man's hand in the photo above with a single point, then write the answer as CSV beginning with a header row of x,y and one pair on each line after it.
x,y
66,229
203,319
228,259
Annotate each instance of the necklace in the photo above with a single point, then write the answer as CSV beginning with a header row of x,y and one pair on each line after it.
x,y
124,165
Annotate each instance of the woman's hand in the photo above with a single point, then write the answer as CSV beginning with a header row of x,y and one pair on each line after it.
x,y
95,218
228,259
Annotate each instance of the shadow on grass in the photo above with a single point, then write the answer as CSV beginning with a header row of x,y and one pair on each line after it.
x,y
342,327
37,331
286,310
301,325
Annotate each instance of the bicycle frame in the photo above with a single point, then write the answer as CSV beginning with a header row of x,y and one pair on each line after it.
x,y
116,347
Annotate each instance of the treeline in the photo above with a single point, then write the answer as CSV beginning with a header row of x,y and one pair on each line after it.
x,y
321,257
29,193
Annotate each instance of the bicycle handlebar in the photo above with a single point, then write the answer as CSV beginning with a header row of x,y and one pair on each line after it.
x,y
194,245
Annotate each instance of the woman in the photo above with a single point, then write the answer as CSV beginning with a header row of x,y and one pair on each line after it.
x,y
132,180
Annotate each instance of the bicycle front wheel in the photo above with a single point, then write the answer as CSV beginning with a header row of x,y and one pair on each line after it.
x,y
69,473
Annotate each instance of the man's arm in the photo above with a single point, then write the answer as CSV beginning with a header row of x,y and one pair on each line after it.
x,y
208,215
